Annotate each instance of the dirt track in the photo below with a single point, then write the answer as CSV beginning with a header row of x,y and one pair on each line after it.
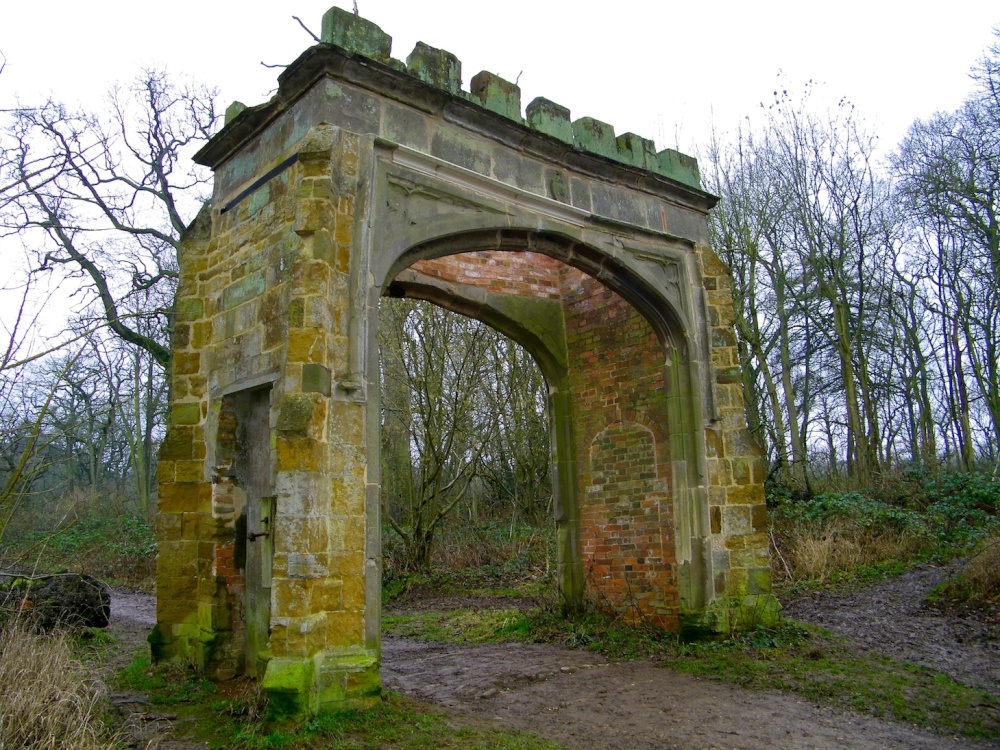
x,y
576,699
565,696
889,618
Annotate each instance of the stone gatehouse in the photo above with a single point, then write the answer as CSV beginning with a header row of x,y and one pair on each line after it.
x,y
366,177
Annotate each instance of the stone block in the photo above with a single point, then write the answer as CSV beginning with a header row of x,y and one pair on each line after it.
x,y
186,363
316,379
680,167
636,150
348,423
736,520
300,454
307,346
243,290
595,136
185,497
355,34
514,169
404,126
345,629
288,681
305,535
436,67
356,111
326,596
747,494
496,94
186,413
190,309
298,412
307,565
189,471
290,597
550,118
233,111
458,147
579,194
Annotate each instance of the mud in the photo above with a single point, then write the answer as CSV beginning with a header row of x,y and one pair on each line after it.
x,y
568,697
890,618
581,701
145,725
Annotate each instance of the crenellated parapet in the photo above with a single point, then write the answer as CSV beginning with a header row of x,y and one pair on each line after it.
x,y
442,70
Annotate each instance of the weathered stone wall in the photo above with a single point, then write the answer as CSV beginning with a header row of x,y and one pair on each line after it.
x,y
735,463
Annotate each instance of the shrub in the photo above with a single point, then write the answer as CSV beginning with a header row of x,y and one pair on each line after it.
x,y
117,548
913,517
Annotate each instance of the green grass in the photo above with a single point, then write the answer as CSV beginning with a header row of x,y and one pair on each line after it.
x,y
816,665
461,625
398,723
236,723
118,549
167,684
843,580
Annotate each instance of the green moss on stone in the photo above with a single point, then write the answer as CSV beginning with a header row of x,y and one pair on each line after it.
x,y
496,94
595,136
636,150
288,683
296,413
550,118
680,167
355,34
245,289
437,67
157,644
189,309
187,413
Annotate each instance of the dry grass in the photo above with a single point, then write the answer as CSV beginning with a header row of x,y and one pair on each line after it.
x,y
979,581
802,555
48,698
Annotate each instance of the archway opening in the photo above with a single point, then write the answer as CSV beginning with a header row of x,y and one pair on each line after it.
x,y
466,492
609,410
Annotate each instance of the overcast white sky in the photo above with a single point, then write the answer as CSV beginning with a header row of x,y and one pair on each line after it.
x,y
659,69
663,70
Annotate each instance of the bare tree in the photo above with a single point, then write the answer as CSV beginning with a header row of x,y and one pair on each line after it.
x,y
440,360
949,169
105,197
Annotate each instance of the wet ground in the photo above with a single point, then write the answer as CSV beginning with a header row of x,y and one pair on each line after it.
x,y
574,698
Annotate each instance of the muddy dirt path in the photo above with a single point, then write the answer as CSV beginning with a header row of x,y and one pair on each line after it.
x,y
146,726
568,697
890,618
581,701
